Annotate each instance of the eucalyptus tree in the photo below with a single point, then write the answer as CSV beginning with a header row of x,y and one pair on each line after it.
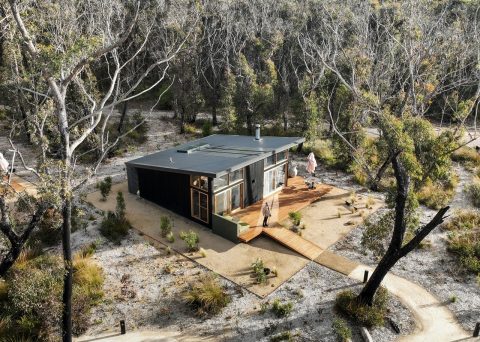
x,y
66,43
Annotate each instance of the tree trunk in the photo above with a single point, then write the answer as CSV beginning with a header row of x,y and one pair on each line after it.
x,y
10,258
285,121
122,117
396,249
16,241
214,113
68,276
380,173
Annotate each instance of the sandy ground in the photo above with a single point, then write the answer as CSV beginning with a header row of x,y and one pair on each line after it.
x,y
227,258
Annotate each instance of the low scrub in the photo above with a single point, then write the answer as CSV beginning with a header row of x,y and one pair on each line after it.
x,y
207,295
436,195
467,156
259,271
105,186
191,240
341,330
31,299
281,309
370,316
473,192
165,225
464,239
115,225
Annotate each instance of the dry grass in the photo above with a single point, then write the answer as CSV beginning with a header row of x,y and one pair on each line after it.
x,y
88,276
207,296
467,156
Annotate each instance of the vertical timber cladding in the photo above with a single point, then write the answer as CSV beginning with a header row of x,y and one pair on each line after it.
x,y
167,189
253,183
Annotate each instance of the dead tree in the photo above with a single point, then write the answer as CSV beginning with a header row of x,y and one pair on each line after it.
x,y
397,249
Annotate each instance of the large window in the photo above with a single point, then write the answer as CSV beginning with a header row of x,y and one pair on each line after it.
x,y
229,200
275,159
199,205
200,182
227,180
273,179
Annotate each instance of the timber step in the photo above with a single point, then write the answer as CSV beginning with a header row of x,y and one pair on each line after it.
x,y
294,242
287,238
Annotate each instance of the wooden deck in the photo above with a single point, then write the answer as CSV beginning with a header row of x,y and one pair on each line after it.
x,y
294,242
250,234
293,197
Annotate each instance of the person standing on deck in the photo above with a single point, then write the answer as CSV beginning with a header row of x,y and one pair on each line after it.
x,y
266,214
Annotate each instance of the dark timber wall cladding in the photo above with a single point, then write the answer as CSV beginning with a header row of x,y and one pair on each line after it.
x,y
170,190
253,183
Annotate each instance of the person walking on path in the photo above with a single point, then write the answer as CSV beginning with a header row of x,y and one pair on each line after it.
x,y
266,214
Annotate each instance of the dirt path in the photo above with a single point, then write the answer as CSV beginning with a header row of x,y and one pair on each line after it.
x,y
435,322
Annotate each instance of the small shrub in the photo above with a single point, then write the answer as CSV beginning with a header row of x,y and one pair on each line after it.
x,y
342,330
258,269
281,309
207,128
165,226
370,316
275,271
453,299
170,237
189,129
105,187
168,268
191,240
207,296
264,307
202,252
295,217
473,191
88,250
168,250
115,226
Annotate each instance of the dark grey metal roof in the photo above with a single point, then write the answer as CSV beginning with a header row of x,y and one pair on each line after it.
x,y
215,155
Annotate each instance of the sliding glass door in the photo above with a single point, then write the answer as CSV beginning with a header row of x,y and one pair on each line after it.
x,y
273,179
229,200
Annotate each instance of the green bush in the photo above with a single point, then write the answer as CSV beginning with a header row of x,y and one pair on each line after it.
x,y
281,309
165,226
464,239
473,191
295,217
258,269
31,307
105,187
341,329
370,316
191,240
115,226
207,296
207,128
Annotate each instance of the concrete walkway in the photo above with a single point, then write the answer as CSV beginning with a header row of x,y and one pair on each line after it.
x,y
435,322
144,336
